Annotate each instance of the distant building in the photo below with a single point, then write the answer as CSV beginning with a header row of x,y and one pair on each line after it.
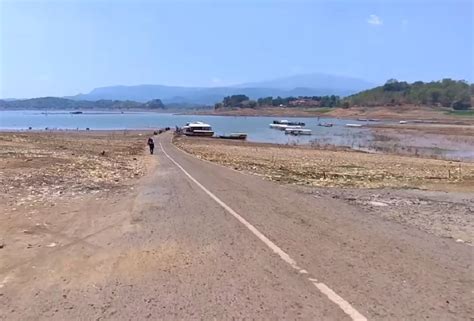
x,y
303,102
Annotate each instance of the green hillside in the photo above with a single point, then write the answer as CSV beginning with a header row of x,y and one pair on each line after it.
x,y
445,93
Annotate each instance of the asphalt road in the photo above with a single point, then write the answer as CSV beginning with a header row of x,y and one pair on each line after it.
x,y
199,241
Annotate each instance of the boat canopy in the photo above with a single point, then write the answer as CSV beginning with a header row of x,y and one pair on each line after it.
x,y
198,124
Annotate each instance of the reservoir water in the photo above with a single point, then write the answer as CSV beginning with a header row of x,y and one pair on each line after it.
x,y
257,128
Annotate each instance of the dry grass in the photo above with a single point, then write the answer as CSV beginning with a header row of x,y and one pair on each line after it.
x,y
41,165
306,166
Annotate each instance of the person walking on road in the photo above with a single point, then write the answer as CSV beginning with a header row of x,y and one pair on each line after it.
x,y
151,144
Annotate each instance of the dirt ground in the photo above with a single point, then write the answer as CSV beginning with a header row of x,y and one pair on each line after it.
x,y
433,195
48,178
91,227
37,167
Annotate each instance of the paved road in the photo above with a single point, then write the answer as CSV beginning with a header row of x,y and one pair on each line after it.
x,y
201,241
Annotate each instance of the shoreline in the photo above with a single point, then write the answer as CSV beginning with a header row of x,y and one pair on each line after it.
x,y
379,113
430,141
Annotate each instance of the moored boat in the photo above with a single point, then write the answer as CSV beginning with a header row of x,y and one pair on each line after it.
x,y
236,136
289,123
326,124
298,131
284,126
198,129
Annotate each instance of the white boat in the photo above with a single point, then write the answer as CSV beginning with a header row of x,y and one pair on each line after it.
x,y
277,126
353,125
284,126
234,136
198,129
287,122
298,131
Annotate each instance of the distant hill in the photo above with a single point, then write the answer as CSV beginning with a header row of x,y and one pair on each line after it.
x,y
300,85
52,103
444,93
327,84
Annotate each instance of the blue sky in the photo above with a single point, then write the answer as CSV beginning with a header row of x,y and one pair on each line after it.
x,y
65,47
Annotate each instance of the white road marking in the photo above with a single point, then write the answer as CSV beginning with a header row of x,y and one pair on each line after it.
x,y
333,296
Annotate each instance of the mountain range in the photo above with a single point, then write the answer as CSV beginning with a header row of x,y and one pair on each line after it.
x,y
315,84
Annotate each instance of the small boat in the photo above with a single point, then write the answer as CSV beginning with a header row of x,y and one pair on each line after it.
x,y
236,136
284,126
276,126
298,131
326,124
353,125
75,112
287,122
198,129
403,122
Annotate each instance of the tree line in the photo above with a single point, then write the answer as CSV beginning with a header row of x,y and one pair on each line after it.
x,y
243,101
445,93
55,103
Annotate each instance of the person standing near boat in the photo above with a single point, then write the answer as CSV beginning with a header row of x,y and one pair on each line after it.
x,y
151,145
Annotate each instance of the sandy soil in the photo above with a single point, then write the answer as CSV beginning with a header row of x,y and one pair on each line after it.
x,y
400,188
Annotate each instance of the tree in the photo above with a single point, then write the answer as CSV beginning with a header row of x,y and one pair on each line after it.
x,y
461,105
234,100
155,103
249,104
267,101
435,96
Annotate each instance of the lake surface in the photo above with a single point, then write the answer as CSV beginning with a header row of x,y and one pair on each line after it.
x,y
257,128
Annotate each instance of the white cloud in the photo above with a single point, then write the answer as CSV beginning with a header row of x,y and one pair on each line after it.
x,y
374,20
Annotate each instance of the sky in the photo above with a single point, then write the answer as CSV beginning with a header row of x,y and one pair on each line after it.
x,y
66,47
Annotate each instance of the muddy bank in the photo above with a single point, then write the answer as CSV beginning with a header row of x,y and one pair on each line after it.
x,y
451,142
432,195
